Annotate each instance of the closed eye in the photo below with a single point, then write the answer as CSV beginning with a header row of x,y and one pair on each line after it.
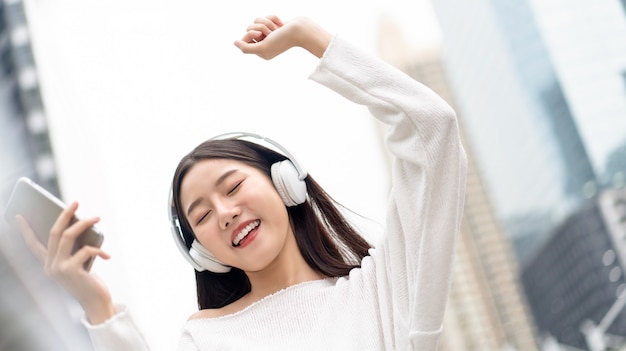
x,y
235,187
203,217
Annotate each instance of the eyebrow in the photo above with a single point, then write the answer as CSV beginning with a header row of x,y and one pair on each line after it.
x,y
219,181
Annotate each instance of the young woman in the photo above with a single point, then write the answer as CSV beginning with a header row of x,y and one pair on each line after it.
x,y
295,274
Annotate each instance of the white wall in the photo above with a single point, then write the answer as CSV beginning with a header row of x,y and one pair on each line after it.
x,y
131,86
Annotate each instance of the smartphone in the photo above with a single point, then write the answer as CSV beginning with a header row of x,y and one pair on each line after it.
x,y
41,209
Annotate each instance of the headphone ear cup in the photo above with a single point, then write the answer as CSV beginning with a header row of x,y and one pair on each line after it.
x,y
290,188
205,259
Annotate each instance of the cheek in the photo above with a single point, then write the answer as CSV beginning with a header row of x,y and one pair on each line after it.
x,y
264,192
208,238
270,203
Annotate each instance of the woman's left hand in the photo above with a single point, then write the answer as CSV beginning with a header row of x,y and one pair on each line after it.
x,y
269,37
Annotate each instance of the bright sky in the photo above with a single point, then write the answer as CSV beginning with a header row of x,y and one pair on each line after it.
x,y
131,86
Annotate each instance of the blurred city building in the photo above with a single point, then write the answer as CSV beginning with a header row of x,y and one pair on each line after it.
x,y
518,118
579,273
26,148
583,39
616,168
34,313
541,88
487,309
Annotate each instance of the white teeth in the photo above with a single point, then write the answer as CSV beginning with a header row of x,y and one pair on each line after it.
x,y
245,232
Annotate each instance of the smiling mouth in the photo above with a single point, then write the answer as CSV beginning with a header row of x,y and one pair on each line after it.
x,y
244,233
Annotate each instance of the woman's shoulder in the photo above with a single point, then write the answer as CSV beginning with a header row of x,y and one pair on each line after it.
x,y
207,313
231,308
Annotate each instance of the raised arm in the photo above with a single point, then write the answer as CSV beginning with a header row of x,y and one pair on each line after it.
x,y
413,265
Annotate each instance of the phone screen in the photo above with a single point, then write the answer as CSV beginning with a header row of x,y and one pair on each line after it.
x,y
41,209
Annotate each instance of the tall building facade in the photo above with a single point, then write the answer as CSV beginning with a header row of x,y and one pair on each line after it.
x,y
616,168
542,90
579,273
34,313
517,116
539,80
584,41
26,148
487,309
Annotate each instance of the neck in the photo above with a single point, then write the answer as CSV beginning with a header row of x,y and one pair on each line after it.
x,y
289,268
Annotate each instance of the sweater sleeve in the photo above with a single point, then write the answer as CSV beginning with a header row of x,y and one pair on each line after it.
x,y
117,333
413,263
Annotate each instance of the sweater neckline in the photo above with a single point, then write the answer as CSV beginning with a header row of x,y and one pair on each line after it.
x,y
307,284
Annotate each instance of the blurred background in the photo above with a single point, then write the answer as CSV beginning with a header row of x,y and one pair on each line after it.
x,y
98,102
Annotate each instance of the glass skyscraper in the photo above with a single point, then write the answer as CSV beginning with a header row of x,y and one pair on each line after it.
x,y
517,116
585,43
542,90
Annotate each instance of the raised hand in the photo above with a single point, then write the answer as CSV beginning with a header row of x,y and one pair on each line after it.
x,y
66,268
268,37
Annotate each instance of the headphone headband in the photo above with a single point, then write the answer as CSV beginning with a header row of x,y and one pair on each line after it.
x,y
302,173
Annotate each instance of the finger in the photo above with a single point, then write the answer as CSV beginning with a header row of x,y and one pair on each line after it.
x,y
250,42
260,27
242,45
252,36
68,239
62,271
33,244
267,22
248,48
277,21
87,252
62,222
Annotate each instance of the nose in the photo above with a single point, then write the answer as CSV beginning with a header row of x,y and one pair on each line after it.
x,y
227,212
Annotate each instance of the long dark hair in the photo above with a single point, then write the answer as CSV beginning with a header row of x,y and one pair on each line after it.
x,y
326,240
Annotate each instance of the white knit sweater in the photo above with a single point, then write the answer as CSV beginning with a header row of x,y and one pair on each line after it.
x,y
397,299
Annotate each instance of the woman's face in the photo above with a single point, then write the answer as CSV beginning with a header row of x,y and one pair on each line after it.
x,y
235,212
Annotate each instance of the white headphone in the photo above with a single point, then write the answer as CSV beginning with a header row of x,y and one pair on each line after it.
x,y
288,178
